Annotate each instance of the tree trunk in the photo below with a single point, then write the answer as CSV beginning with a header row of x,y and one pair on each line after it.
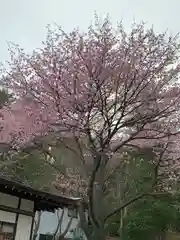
x,y
99,234
161,235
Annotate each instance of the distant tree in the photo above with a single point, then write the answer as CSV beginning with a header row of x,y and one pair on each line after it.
x,y
150,217
5,98
30,168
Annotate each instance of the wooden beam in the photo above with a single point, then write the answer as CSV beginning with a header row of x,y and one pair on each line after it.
x,y
15,210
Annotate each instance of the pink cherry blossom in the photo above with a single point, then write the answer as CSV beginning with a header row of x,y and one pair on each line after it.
x,y
105,83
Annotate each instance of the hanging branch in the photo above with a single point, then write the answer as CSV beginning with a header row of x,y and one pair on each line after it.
x,y
58,233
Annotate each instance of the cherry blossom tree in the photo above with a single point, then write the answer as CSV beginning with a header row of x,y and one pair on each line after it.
x,y
106,90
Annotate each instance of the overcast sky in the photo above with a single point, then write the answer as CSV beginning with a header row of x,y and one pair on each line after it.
x,y
24,21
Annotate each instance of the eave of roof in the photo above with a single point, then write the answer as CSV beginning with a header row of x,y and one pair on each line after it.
x,y
43,200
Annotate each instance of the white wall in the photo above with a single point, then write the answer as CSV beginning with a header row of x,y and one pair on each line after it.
x,y
24,222
7,217
23,227
49,222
